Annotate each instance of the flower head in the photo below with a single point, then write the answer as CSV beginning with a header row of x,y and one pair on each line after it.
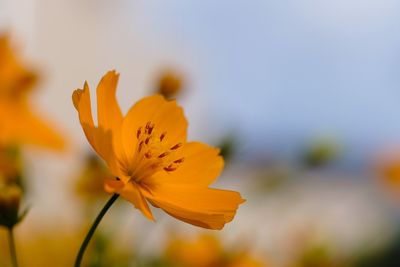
x,y
169,84
207,251
147,152
18,122
10,198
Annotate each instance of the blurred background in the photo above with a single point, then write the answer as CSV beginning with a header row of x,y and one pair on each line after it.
x,y
301,96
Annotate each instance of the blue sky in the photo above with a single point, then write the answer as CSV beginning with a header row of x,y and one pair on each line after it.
x,y
282,72
277,73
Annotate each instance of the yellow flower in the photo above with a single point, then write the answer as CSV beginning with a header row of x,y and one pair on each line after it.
x,y
55,246
87,185
389,171
148,154
18,123
207,251
15,79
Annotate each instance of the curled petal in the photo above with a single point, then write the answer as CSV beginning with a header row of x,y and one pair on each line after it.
x,y
81,100
99,138
108,111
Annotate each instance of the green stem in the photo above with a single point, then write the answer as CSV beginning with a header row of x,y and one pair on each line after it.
x,y
93,228
13,251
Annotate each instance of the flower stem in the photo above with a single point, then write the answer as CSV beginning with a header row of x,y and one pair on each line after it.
x,y
13,251
93,228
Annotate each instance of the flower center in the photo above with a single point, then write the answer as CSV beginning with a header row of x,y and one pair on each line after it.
x,y
153,154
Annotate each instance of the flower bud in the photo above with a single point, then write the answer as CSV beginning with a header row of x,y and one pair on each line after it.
x,y
10,198
169,84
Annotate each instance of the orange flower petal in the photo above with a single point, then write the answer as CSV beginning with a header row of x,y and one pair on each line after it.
x,y
113,186
15,79
201,166
108,112
166,115
81,100
99,138
16,118
204,207
132,193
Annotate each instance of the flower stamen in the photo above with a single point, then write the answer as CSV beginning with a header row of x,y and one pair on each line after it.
x,y
162,136
148,154
147,140
140,146
156,156
179,160
149,127
170,168
139,131
163,154
175,147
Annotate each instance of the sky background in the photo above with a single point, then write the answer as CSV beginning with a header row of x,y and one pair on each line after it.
x,y
275,73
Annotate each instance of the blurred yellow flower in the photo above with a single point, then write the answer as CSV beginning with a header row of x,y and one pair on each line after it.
x,y
10,165
44,247
18,122
15,79
387,165
147,152
49,246
207,251
169,84
87,185
391,175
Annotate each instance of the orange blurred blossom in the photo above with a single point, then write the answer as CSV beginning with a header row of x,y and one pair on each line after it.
x,y
18,121
207,251
87,185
